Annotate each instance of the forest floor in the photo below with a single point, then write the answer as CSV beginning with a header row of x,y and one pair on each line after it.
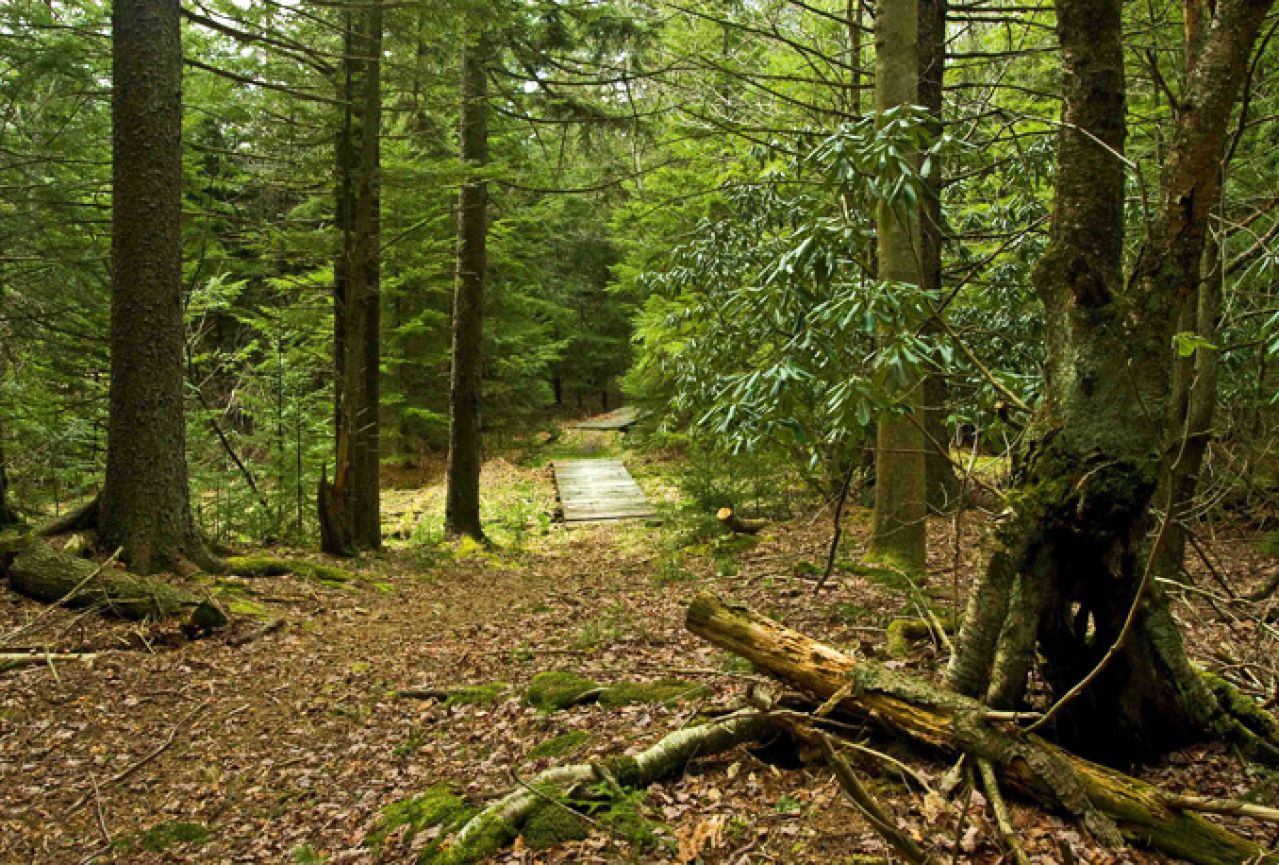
x,y
291,747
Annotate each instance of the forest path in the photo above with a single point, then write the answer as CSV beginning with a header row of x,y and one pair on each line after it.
x,y
597,490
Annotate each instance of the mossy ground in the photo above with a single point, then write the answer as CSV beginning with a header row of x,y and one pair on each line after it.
x,y
664,691
553,690
560,746
478,695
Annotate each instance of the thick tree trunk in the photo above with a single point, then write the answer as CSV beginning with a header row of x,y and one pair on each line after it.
x,y
947,723
939,470
350,516
144,506
900,525
1072,560
462,503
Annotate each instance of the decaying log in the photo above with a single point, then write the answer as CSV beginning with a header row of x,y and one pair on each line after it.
x,y
1109,802
39,571
500,822
731,521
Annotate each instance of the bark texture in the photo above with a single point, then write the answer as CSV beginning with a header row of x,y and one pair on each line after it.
x,y
350,514
943,483
462,502
1113,806
144,506
900,527
7,514
1071,557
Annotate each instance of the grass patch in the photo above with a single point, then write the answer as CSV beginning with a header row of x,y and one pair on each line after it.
x,y
436,806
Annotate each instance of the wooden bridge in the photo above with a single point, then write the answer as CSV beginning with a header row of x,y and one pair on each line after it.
x,y
599,490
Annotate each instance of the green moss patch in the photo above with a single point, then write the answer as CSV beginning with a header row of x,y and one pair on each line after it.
x,y
557,689
664,691
478,695
561,745
170,833
551,824
266,566
903,633
436,806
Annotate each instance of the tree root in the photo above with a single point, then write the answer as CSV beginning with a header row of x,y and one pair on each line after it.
x,y
266,566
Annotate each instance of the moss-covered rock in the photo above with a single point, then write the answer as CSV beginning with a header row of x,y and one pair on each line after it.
x,y
903,633
557,689
561,745
550,824
664,691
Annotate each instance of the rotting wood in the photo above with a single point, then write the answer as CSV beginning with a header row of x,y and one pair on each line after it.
x,y
730,520
949,724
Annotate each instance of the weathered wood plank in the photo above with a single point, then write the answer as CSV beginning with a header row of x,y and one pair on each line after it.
x,y
599,490
619,419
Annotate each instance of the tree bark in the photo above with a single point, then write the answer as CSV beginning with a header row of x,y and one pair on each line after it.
x,y
948,724
350,516
462,503
943,483
7,514
144,505
900,524
1071,560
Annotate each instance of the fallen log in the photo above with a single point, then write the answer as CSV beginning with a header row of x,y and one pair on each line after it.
x,y
41,572
1112,805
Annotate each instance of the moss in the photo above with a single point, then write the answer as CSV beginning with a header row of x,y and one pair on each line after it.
x,y
902,633
436,806
1269,544
550,824
489,836
1243,708
162,836
665,691
267,566
556,689
477,695
559,746
625,770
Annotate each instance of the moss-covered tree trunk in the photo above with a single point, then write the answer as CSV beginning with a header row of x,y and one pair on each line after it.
x,y
7,514
144,506
462,502
1074,550
350,516
900,527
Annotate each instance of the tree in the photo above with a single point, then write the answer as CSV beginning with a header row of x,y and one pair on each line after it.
x,y
1070,574
901,529
462,504
350,515
144,506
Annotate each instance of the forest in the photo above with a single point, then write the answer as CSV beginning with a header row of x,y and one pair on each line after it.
x,y
709,432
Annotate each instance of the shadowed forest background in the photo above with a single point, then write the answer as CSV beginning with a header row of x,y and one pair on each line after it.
x,y
600,431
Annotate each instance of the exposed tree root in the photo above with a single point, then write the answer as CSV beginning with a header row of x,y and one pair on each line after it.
x,y
266,566
1113,806
500,822
39,571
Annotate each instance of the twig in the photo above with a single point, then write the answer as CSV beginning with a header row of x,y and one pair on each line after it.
x,y
1231,807
870,809
1002,819
102,820
156,752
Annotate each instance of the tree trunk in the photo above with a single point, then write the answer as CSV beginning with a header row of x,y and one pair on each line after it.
x,y
144,506
462,504
949,724
7,514
350,515
1073,557
939,470
900,527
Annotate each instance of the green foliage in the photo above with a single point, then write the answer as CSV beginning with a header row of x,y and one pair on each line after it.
x,y
664,691
560,746
166,835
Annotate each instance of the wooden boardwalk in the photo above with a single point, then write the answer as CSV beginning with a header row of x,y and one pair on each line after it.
x,y
619,419
599,490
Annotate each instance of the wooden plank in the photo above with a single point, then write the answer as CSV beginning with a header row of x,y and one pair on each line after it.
x,y
599,490
619,419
